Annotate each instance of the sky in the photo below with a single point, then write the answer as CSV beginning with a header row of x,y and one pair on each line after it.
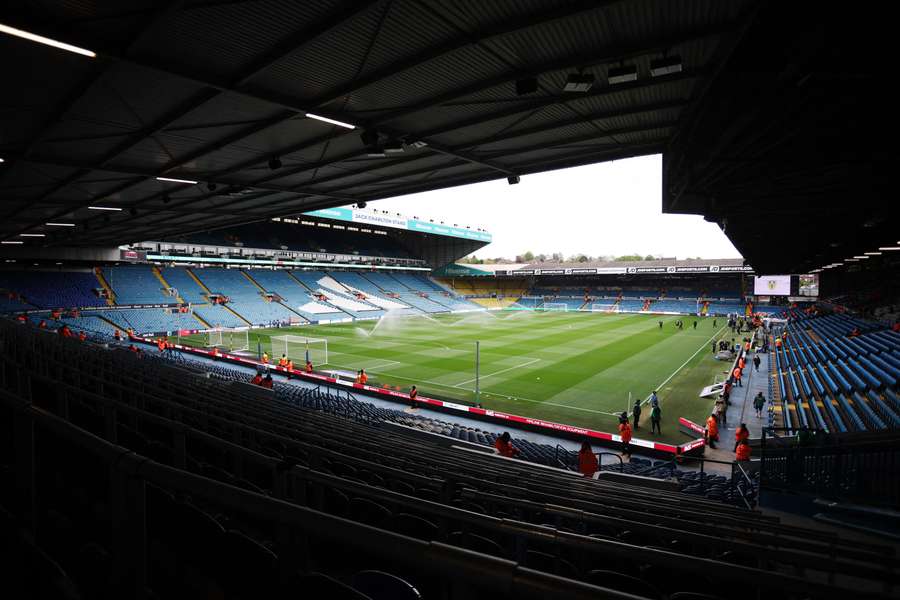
x,y
607,209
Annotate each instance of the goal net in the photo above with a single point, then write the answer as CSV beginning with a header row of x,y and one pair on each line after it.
x,y
295,346
228,338
610,308
555,307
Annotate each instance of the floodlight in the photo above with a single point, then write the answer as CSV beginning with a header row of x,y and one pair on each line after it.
x,y
617,75
665,66
579,82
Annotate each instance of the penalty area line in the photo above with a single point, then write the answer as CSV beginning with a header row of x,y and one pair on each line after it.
x,y
524,364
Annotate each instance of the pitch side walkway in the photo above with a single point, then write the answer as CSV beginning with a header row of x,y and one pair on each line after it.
x,y
741,411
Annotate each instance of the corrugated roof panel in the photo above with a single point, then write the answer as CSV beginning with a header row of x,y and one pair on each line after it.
x,y
324,62
224,39
226,108
439,76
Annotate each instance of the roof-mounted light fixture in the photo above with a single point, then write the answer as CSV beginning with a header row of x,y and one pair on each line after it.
x,y
332,121
665,66
579,82
174,180
32,37
624,74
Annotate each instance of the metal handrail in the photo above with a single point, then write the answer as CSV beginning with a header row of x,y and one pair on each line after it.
x,y
556,453
619,456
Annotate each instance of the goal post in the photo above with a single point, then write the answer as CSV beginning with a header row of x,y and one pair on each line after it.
x,y
609,308
232,339
294,347
555,307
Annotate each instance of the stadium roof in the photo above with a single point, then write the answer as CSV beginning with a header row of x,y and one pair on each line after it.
x,y
767,113
216,91
793,150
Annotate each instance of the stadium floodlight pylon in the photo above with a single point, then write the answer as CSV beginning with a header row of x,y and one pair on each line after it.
x,y
609,308
555,307
230,338
295,346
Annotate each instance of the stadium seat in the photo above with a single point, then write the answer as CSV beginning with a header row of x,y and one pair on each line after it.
x,y
623,583
378,585
414,526
317,585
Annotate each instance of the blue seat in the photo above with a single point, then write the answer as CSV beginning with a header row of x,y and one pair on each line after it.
x,y
886,411
839,378
851,412
870,380
852,378
795,390
860,402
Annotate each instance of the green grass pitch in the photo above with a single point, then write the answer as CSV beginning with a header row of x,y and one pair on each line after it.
x,y
574,368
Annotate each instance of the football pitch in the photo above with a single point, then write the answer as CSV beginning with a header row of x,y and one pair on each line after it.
x,y
574,368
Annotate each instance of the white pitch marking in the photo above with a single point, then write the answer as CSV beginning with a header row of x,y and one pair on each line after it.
x,y
675,372
525,364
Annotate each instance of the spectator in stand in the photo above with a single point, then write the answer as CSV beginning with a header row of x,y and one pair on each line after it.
x,y
587,460
504,446
636,411
289,367
42,324
65,331
655,418
756,362
712,430
267,382
82,336
625,434
742,434
758,403
742,451
282,362
309,367
23,318
265,358
413,395
117,336
257,379
363,378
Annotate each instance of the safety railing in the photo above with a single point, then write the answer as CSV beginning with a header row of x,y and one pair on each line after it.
x,y
832,466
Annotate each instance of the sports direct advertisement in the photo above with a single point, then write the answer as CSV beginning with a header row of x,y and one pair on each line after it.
x,y
772,285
